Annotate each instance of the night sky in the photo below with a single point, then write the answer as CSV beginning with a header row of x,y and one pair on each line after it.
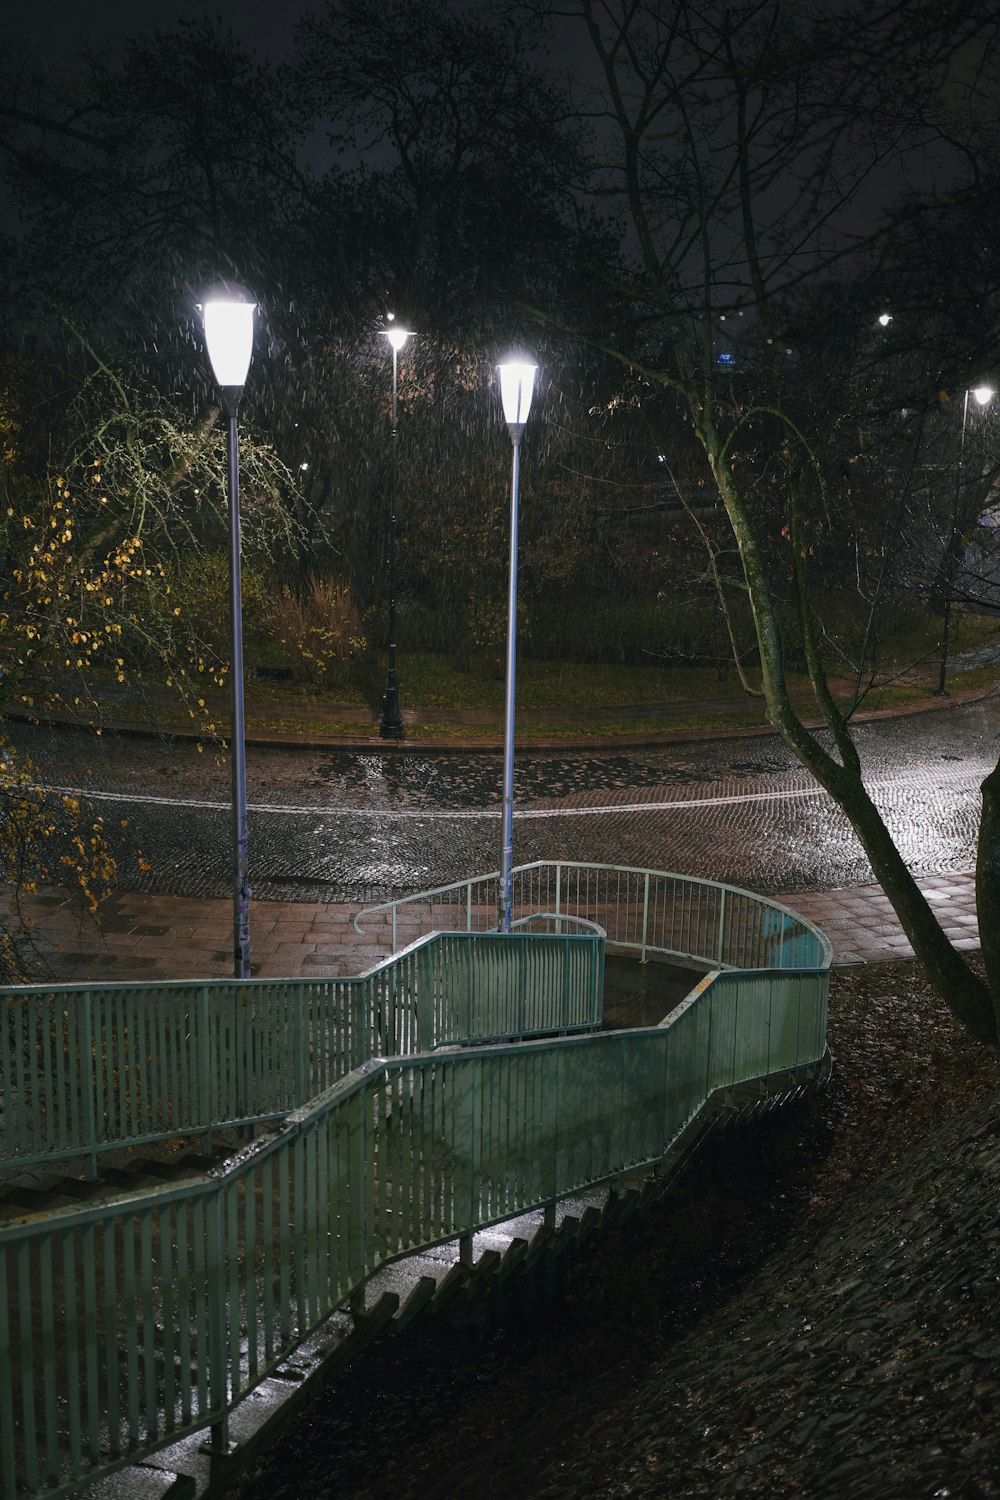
x,y
54,31
56,27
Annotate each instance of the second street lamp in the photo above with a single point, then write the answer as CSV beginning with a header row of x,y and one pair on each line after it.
x,y
984,395
517,380
228,315
391,727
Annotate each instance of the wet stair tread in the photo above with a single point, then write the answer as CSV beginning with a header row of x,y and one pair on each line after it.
x,y
54,1191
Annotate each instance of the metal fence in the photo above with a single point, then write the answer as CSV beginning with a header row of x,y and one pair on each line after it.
x,y
161,1311
85,1068
126,1324
642,911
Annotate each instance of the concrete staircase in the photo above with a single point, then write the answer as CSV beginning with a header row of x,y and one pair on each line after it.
x,y
494,1260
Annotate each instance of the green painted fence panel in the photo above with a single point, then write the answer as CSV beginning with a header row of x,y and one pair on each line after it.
x,y
86,1069
125,1325
402,1154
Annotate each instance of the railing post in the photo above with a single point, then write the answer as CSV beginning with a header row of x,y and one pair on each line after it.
x,y
597,952
468,976
245,1101
90,1073
206,1057
473,1154
645,919
218,1331
299,1049
424,1005
722,926
558,896
711,998
8,1472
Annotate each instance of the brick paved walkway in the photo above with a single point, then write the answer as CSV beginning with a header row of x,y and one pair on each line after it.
x,y
173,937
863,927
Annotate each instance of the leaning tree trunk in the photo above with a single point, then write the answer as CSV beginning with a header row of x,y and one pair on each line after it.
x,y
988,883
965,994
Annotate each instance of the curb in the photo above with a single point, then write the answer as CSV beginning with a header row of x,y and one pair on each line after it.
x,y
493,744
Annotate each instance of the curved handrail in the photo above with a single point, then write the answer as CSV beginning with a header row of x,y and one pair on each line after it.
x,y
560,919
709,921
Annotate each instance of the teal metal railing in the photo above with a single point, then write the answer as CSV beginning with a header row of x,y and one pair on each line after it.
x,y
86,1068
128,1323
642,911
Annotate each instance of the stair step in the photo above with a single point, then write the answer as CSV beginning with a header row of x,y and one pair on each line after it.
x,y
422,1294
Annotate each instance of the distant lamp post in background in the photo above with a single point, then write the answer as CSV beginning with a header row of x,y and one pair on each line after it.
x,y
983,395
391,727
228,315
517,379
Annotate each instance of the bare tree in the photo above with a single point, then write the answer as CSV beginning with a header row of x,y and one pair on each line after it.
x,y
754,149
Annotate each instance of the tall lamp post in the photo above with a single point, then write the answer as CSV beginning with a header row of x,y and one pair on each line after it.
x,y
229,336
983,395
391,727
517,379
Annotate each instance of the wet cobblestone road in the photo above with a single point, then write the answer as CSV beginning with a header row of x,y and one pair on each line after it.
x,y
346,825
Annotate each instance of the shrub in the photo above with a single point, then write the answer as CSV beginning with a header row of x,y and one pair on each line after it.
x,y
481,645
320,628
200,588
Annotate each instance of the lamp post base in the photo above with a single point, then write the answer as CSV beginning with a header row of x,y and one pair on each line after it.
x,y
391,727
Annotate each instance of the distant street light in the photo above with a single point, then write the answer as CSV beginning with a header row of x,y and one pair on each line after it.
x,y
983,395
391,727
517,380
228,315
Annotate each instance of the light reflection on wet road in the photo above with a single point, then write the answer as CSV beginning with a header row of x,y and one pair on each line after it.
x,y
363,824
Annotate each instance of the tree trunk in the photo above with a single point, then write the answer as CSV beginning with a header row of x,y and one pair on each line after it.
x,y
988,884
965,994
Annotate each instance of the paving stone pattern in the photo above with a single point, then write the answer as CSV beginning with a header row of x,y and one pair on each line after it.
x,y
174,937
328,824
332,830
863,927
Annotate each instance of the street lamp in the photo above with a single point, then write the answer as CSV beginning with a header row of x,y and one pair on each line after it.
x,y
517,379
983,395
228,314
391,727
